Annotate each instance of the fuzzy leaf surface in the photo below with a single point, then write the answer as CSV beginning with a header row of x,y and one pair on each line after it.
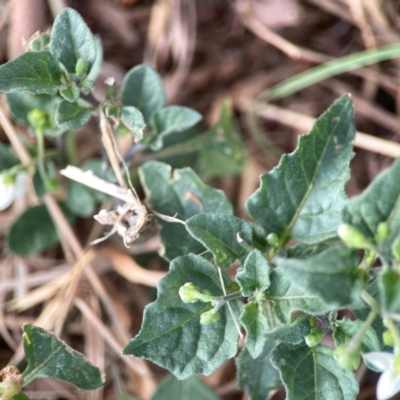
x,y
133,119
142,88
219,234
49,357
258,375
188,389
313,373
182,194
292,333
171,334
71,39
35,72
72,115
332,275
380,203
302,197
254,275
287,298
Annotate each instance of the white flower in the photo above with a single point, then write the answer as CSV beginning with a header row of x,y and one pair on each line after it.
x,y
9,192
389,381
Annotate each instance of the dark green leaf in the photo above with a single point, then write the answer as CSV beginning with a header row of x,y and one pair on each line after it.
x,y
34,72
254,275
380,203
132,118
7,157
71,39
332,275
292,333
255,321
258,375
142,88
171,334
33,232
303,251
221,234
20,396
181,194
345,329
302,197
70,93
313,373
287,298
172,119
49,357
188,389
72,115
80,200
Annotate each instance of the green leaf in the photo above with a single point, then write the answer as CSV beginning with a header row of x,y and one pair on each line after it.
x,y
49,357
287,298
7,157
255,322
192,388
80,200
33,231
221,234
313,373
172,119
34,72
142,88
133,119
389,283
70,93
372,208
332,275
258,375
96,67
293,333
225,154
72,115
254,275
71,39
172,336
302,197
345,329
303,251
20,396
181,194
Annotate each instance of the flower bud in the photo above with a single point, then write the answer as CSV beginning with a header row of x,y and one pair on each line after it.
x,y
347,357
353,237
260,295
388,338
189,293
38,119
273,240
314,338
81,67
209,317
382,232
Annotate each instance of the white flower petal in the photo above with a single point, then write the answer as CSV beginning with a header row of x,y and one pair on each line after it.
x,y
379,360
388,385
7,194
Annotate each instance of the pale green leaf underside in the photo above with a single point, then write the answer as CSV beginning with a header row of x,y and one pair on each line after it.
x,y
258,375
332,275
188,389
303,196
379,203
71,39
35,72
49,357
181,194
171,334
313,373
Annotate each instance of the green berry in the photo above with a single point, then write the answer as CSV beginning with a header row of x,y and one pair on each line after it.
x,y
388,338
273,240
314,338
189,293
38,119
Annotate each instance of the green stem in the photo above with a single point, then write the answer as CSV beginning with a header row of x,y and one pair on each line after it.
x,y
356,340
40,154
70,147
368,260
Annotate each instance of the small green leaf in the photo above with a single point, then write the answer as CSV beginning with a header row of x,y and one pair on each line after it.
x,y
171,334
49,357
170,120
287,298
70,93
223,236
181,194
71,39
332,275
96,67
345,329
258,375
255,322
37,73
313,373
133,119
20,396
302,197
389,283
80,200
142,88
192,388
72,115
293,333
33,232
254,275
380,203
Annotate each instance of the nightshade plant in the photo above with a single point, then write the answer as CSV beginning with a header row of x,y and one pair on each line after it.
x,y
309,253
